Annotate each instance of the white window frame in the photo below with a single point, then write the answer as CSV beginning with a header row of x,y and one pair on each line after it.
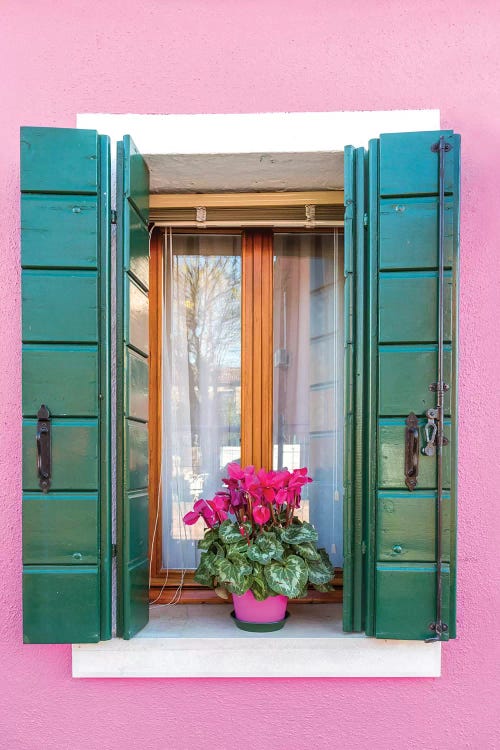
x,y
195,641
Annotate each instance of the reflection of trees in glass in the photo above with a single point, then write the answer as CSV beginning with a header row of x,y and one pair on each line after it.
x,y
209,291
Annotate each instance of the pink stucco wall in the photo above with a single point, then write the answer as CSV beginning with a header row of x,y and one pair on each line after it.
x,y
275,55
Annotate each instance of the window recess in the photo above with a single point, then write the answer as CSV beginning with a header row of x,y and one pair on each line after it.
x,y
199,437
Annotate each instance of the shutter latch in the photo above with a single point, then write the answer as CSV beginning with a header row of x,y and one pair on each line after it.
x,y
114,216
43,458
411,451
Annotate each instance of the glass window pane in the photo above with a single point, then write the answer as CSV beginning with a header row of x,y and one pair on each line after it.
x,y
202,380
308,399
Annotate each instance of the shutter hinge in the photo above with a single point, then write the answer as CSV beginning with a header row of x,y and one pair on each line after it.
x,y
114,216
365,220
113,550
363,548
434,387
441,145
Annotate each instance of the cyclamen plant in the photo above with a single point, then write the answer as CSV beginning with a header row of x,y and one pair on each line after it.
x,y
254,539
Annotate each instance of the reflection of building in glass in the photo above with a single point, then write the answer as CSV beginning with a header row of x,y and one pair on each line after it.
x,y
308,373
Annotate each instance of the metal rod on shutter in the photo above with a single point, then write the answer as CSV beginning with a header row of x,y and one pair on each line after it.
x,y
439,627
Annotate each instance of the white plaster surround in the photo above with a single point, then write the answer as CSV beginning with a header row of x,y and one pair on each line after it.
x,y
252,152
250,133
202,640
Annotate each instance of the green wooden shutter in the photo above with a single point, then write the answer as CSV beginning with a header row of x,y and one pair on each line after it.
x,y
132,389
400,335
354,305
65,227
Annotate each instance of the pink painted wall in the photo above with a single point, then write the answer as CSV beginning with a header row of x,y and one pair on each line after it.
x,y
222,56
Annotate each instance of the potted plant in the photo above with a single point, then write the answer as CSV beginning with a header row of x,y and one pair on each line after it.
x,y
256,548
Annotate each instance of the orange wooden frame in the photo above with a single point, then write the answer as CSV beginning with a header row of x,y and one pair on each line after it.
x,y
257,349
256,401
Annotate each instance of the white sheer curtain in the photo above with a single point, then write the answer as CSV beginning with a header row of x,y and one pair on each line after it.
x,y
308,401
201,381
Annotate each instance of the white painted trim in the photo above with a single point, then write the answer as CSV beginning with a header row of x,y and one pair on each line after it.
x,y
295,651
276,132
201,641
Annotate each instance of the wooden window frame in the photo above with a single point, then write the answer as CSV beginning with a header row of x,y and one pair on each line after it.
x,y
256,390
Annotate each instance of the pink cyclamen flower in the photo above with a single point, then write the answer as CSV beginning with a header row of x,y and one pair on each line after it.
x,y
299,478
235,472
281,496
203,509
268,484
191,518
261,514
220,501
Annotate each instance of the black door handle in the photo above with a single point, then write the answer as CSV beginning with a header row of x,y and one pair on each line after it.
x,y
43,452
412,438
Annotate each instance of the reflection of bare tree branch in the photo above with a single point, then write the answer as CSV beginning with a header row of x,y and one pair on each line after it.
x,y
208,289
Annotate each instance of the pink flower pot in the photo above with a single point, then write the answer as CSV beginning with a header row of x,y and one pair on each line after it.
x,y
248,609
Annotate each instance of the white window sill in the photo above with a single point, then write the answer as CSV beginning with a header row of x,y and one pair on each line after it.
x,y
202,641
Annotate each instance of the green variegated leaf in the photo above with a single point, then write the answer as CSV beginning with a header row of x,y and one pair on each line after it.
x,y
207,541
229,532
323,587
234,576
320,571
240,585
265,548
307,550
258,570
224,569
298,533
241,562
287,577
204,573
256,554
259,588
324,555
219,549
238,548
268,540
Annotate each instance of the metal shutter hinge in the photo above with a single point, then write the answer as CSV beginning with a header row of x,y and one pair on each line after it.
x,y
365,220
114,216
113,550
441,145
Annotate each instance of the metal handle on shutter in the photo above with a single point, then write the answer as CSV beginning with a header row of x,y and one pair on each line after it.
x,y
411,451
43,452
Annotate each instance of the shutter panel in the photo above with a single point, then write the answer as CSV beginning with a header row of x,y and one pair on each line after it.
x,y
65,232
132,389
401,364
354,290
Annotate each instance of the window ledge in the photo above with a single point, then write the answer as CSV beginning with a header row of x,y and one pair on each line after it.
x,y
202,641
